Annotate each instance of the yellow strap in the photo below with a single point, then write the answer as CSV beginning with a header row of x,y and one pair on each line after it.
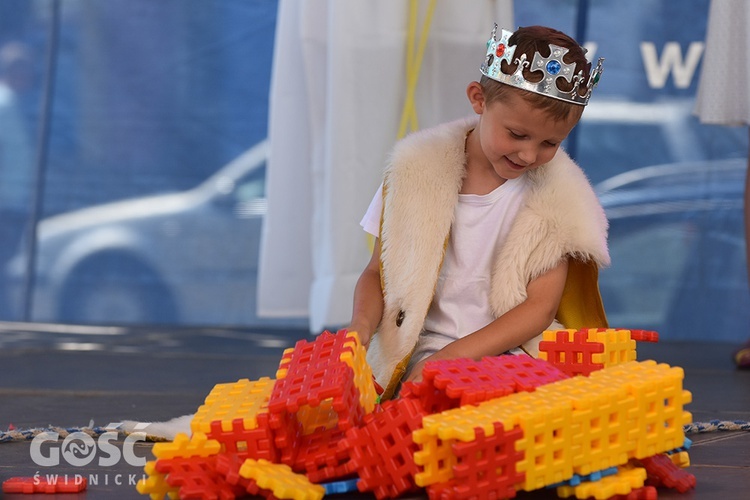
x,y
414,64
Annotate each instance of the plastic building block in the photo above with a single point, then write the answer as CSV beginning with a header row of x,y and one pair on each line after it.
x,y
580,352
226,403
281,480
155,484
644,336
570,351
33,485
314,375
485,467
623,483
572,426
644,493
453,383
662,472
228,466
382,450
197,445
197,477
658,401
249,443
319,456
335,487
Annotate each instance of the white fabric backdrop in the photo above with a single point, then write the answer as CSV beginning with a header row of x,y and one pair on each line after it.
x,y
337,91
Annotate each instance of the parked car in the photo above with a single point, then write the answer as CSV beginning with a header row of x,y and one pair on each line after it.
x,y
188,257
676,241
678,250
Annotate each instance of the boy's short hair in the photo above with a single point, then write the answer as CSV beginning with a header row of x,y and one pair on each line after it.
x,y
531,39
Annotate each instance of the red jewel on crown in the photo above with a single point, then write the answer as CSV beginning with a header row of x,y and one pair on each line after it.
x,y
500,50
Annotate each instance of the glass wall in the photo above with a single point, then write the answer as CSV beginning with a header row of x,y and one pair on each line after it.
x,y
132,162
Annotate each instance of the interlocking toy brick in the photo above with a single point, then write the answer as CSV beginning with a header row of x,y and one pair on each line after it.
x,y
644,336
453,383
658,404
625,481
580,352
155,483
570,351
315,375
319,456
382,450
33,485
485,467
226,403
570,426
228,465
184,446
281,480
197,477
662,472
249,443
644,493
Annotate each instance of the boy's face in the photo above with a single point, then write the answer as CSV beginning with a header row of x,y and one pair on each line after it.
x,y
516,136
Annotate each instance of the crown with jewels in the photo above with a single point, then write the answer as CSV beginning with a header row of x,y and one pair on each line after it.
x,y
552,66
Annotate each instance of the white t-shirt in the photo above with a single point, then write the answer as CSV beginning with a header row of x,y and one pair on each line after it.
x,y
461,302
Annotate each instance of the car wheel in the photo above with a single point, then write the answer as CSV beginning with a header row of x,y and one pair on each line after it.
x,y
116,289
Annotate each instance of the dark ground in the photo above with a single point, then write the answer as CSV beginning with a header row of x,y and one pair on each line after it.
x,y
53,375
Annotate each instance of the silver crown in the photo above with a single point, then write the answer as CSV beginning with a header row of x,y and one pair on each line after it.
x,y
552,66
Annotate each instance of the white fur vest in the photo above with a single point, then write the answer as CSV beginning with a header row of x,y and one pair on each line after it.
x,y
561,216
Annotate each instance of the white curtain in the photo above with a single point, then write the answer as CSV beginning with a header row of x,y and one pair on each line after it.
x,y
337,92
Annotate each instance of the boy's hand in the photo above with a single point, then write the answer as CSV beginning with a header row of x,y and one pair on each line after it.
x,y
415,375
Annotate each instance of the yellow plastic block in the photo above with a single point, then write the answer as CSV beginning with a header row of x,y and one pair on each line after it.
x,y
357,361
155,485
198,445
600,424
316,418
680,459
658,404
581,425
618,346
243,399
286,358
281,480
622,483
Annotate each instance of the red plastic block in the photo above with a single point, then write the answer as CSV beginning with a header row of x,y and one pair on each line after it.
x,y
644,493
663,472
528,373
248,443
31,485
468,381
382,450
319,456
228,466
644,336
197,477
485,468
573,358
432,399
313,374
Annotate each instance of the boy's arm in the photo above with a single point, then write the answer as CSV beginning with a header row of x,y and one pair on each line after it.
x,y
368,299
520,324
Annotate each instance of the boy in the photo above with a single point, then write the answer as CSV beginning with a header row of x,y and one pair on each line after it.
x,y
488,233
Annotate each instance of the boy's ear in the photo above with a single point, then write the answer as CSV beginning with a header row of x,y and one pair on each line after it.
x,y
476,97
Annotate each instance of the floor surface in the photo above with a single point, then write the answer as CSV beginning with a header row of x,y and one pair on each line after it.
x,y
67,376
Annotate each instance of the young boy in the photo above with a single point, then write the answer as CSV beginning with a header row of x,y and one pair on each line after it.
x,y
487,233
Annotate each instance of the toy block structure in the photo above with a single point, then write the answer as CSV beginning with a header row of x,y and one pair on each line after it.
x,y
236,415
566,426
382,449
469,429
581,352
454,383
625,481
322,389
280,480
